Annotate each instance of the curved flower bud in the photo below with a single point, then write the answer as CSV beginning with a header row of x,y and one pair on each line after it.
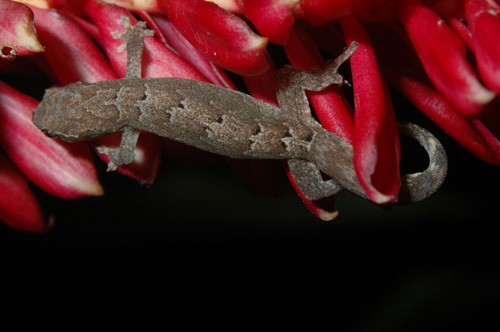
x,y
18,206
222,36
406,74
17,32
376,140
484,22
62,169
442,54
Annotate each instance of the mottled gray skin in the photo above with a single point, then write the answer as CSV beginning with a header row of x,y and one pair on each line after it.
x,y
225,122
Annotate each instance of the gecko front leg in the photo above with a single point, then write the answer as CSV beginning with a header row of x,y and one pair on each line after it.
x,y
124,153
132,42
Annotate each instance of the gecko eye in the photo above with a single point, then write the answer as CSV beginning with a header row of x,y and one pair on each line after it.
x,y
48,133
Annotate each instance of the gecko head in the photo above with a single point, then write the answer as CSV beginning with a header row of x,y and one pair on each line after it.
x,y
72,113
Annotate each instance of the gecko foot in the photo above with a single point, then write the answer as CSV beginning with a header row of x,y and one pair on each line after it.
x,y
132,33
114,157
132,42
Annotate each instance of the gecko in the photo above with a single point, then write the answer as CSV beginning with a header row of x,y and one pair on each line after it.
x,y
225,122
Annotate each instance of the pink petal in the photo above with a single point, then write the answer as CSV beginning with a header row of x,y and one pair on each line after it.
x,y
376,139
62,169
442,54
272,18
18,206
17,32
222,36
485,26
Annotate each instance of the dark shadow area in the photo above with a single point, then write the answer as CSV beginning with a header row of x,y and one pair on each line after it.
x,y
198,243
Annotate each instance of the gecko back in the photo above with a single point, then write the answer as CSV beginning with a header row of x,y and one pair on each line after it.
x,y
199,114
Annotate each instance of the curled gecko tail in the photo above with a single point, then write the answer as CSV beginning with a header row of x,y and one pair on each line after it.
x,y
416,187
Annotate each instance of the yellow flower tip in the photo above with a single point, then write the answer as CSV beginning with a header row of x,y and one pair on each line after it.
x,y
328,215
257,43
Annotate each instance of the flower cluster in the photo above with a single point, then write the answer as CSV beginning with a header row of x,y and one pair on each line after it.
x,y
442,55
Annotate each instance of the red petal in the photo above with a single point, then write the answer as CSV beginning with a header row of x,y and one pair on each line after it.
x,y
18,206
263,86
376,139
158,60
405,73
375,10
62,169
71,52
442,54
319,12
17,32
273,18
485,26
197,59
222,36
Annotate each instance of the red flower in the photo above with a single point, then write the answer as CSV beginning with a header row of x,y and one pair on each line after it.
x,y
429,50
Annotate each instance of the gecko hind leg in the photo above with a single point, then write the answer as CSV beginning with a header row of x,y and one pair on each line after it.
x,y
309,180
124,153
132,42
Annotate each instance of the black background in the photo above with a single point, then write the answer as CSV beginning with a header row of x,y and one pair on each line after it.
x,y
197,242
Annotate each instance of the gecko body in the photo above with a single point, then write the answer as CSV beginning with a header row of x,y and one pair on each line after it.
x,y
199,114
225,122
